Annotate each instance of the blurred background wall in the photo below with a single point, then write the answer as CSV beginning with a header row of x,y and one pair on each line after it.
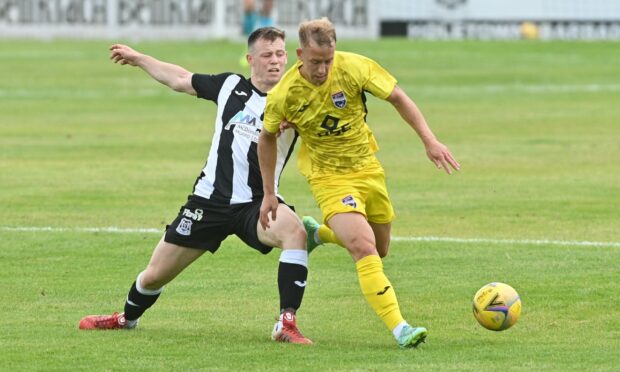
x,y
367,19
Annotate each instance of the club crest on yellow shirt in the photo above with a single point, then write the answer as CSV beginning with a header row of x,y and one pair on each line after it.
x,y
339,99
350,201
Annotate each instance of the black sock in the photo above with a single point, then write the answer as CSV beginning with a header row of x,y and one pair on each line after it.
x,y
137,303
291,284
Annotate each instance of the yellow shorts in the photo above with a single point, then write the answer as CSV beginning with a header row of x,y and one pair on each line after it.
x,y
363,192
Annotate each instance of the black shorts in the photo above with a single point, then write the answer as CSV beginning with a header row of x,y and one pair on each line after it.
x,y
203,224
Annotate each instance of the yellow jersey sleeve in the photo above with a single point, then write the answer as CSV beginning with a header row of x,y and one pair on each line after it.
x,y
273,114
377,81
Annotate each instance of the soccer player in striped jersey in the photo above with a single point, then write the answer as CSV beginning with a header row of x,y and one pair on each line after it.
x,y
323,97
227,195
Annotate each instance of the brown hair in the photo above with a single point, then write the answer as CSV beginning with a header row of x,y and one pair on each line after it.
x,y
322,31
268,33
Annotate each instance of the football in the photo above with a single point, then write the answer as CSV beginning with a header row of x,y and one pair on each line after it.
x,y
497,306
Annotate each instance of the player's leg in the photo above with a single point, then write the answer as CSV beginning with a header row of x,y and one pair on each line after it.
x,y
248,25
383,233
287,232
167,261
355,233
265,19
267,8
249,17
196,229
358,238
318,234
380,213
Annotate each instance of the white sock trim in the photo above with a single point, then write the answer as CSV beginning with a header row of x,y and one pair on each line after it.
x,y
144,291
317,238
131,324
396,331
295,256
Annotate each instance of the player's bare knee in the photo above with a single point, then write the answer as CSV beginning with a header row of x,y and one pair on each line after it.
x,y
293,236
150,280
298,236
362,247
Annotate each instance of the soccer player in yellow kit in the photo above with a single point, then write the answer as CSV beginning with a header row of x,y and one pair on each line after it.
x,y
322,96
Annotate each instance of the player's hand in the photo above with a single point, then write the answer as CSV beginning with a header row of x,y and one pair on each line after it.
x,y
123,54
284,125
269,205
442,157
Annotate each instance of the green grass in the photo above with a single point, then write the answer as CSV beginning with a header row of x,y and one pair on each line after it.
x,y
86,143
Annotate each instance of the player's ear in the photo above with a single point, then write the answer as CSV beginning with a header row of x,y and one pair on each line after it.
x,y
298,50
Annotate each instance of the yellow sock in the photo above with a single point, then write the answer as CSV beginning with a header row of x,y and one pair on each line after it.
x,y
327,235
378,290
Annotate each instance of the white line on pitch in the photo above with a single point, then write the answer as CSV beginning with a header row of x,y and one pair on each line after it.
x,y
504,241
114,230
118,230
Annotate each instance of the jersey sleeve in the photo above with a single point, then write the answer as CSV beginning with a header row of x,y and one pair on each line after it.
x,y
208,86
274,113
379,82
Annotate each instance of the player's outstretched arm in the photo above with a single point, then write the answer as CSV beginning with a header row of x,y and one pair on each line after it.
x,y
267,153
436,151
173,76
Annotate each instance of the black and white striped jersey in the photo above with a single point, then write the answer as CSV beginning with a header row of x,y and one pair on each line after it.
x,y
231,174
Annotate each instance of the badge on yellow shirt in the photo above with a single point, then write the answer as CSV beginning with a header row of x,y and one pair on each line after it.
x,y
339,99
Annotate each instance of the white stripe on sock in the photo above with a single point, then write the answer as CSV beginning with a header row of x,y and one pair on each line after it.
x,y
295,256
144,291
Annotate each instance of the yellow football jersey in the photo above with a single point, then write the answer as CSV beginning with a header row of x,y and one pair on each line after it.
x,y
330,118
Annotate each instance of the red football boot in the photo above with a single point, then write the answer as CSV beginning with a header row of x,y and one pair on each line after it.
x,y
114,321
285,330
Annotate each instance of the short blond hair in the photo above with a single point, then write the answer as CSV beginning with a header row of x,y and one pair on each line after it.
x,y
322,31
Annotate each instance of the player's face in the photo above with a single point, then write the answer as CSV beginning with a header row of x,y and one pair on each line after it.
x,y
317,61
268,60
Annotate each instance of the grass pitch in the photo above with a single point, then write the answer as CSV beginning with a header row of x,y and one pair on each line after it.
x,y
85,143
